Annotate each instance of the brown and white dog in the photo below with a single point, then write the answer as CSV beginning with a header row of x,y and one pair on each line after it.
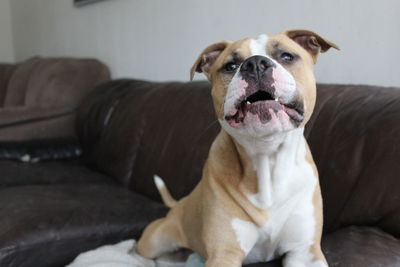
x,y
259,196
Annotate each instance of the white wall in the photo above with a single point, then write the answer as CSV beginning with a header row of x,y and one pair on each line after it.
x,y
6,39
160,39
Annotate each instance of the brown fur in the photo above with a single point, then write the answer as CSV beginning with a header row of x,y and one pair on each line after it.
x,y
315,249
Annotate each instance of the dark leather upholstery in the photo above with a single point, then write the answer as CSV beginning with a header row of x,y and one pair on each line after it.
x,y
131,130
49,225
353,135
14,173
361,246
175,147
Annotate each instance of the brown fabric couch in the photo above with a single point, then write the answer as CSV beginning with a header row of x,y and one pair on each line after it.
x,y
39,97
131,130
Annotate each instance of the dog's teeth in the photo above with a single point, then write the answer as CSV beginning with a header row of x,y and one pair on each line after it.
x,y
276,100
248,103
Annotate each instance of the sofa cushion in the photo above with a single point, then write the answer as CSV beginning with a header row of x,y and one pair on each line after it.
x,y
18,83
15,173
361,246
32,123
275,263
50,225
358,247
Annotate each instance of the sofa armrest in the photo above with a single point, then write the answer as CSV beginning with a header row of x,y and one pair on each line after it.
x,y
29,123
93,125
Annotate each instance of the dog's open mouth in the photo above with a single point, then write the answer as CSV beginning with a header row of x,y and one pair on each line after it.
x,y
259,96
260,103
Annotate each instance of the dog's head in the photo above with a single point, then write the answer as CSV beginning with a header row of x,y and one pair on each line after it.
x,y
264,85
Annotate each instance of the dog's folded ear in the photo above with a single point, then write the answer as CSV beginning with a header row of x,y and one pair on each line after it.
x,y
207,58
310,41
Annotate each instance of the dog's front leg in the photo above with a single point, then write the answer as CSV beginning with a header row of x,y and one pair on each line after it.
x,y
306,257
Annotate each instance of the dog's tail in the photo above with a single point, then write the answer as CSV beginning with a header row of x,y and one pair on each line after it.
x,y
169,201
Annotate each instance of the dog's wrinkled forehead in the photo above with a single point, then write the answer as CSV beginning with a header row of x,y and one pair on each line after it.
x,y
265,45
303,44
245,48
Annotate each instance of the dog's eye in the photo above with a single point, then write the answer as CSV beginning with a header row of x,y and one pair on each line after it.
x,y
287,57
230,66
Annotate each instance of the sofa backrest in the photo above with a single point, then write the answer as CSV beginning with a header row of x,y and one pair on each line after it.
x,y
135,129
132,130
354,135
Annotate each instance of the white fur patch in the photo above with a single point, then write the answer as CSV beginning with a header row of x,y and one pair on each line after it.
x,y
258,47
246,234
276,160
264,196
285,84
236,89
159,182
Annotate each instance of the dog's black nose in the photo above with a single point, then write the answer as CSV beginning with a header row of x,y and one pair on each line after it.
x,y
255,66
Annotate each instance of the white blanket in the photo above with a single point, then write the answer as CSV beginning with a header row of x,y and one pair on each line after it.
x,y
123,255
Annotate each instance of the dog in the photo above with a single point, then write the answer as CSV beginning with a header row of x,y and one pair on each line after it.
x,y
259,196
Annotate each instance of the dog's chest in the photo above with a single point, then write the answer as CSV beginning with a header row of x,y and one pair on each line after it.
x,y
286,186
290,223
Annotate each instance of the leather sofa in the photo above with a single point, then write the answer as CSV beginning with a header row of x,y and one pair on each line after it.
x,y
130,130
